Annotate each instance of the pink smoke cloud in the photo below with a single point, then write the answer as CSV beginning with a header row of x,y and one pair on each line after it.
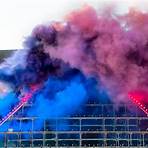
x,y
112,48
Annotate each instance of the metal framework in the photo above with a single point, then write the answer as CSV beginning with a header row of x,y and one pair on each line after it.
x,y
104,127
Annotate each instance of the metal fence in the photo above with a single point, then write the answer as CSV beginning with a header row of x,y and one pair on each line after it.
x,y
101,125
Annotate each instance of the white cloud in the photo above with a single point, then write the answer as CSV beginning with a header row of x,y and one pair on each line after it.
x,y
18,17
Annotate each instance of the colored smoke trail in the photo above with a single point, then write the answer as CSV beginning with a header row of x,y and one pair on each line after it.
x,y
78,59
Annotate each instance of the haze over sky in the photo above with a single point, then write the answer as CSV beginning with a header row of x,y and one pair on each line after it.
x,y
18,17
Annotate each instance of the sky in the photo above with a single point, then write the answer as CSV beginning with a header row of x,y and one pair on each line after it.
x,y
19,17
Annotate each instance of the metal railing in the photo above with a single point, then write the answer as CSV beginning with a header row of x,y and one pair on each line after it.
x,y
85,130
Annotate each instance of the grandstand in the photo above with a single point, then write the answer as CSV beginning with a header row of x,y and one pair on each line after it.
x,y
95,124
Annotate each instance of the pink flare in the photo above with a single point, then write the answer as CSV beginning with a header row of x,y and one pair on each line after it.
x,y
140,99
16,108
21,103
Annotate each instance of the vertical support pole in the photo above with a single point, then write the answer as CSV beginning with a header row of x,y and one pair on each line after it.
x,y
44,137
80,122
32,132
143,139
5,140
56,133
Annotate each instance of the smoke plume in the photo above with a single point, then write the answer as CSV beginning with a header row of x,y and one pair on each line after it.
x,y
77,59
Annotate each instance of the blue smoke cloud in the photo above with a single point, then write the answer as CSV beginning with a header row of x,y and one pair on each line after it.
x,y
64,101
58,98
6,103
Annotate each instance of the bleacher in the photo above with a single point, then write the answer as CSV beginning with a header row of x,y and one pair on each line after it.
x,y
88,129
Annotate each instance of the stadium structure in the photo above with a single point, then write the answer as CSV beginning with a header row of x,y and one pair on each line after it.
x,y
97,125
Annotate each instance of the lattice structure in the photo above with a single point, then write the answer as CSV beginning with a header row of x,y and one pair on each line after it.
x,y
100,125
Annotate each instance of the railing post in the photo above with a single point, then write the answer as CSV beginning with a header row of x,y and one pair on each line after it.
x,y
80,122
